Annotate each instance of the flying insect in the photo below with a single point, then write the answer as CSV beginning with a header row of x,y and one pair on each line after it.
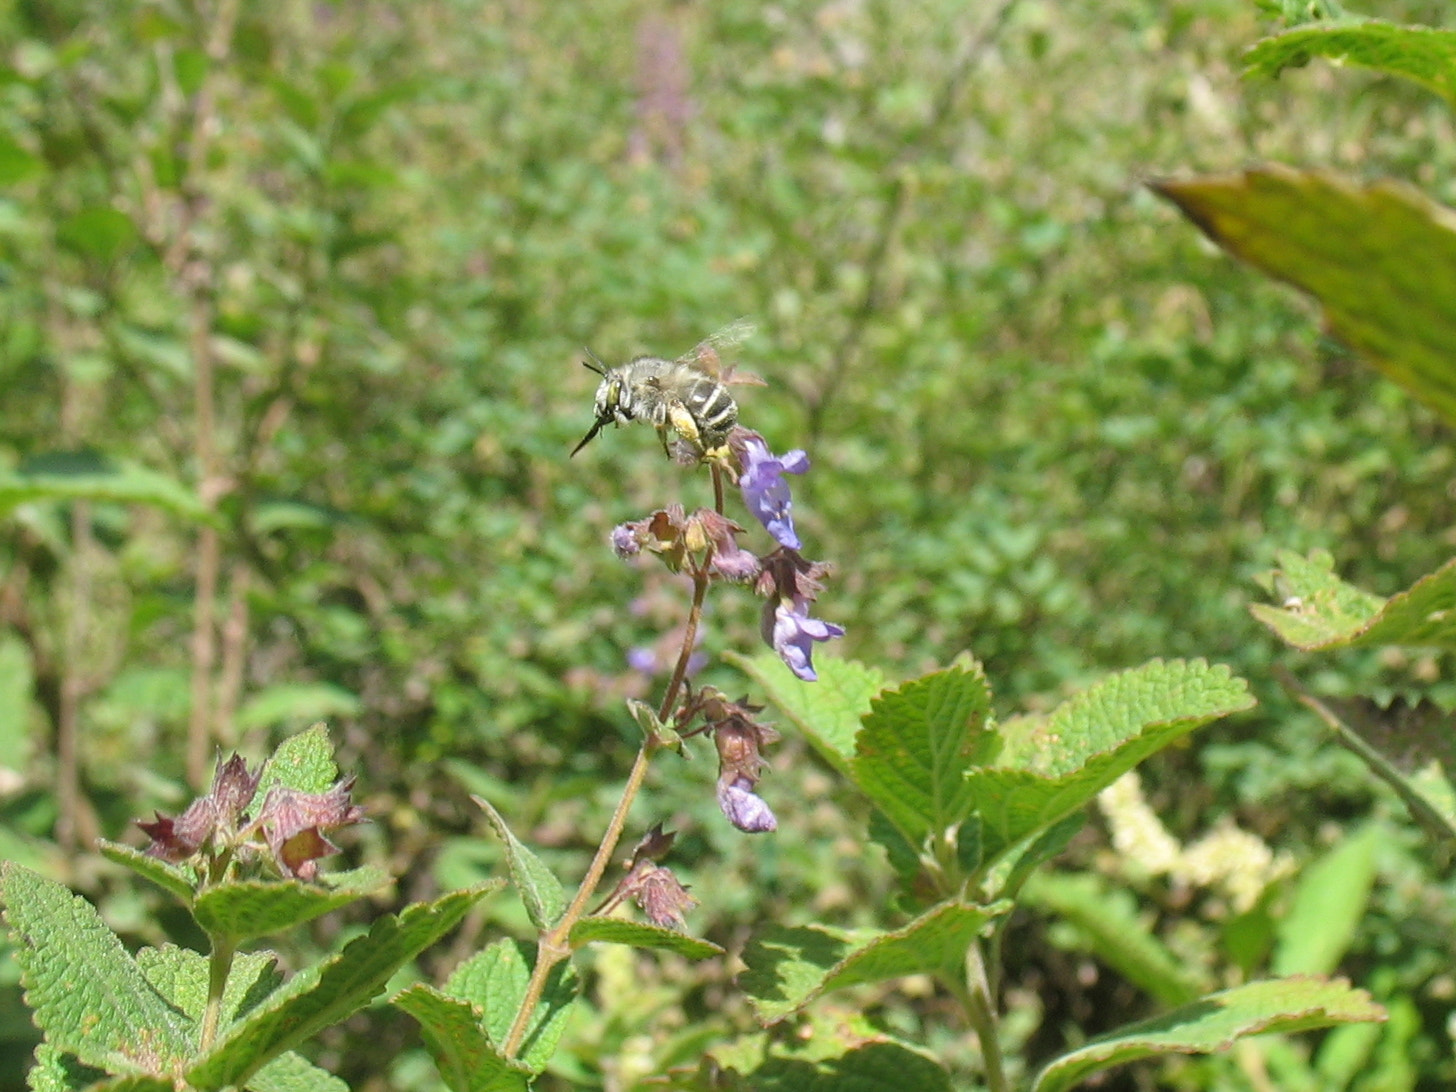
x,y
688,396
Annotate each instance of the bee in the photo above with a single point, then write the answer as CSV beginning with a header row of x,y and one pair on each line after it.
x,y
688,396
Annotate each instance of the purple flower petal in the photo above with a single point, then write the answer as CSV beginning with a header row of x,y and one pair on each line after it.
x,y
745,810
793,634
766,493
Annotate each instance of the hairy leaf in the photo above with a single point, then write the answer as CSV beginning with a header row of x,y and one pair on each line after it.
x,y
789,967
918,742
86,993
256,908
1423,54
640,935
1214,1023
1049,768
495,979
162,873
463,1053
1321,611
540,891
327,992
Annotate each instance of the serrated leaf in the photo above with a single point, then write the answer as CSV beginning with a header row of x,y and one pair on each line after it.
x,y
1423,54
1380,259
1321,611
327,992
789,967
168,876
495,980
917,743
827,712
540,891
1050,768
465,1057
254,908
57,1071
1214,1023
1106,923
639,935
181,976
290,703
294,1073
304,762
87,475
85,991
1328,904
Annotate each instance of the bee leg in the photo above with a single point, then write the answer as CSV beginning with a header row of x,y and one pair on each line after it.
x,y
683,424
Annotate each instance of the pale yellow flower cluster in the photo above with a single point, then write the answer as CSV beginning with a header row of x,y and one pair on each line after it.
x,y
1229,860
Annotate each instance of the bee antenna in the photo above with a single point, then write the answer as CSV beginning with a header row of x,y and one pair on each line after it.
x,y
594,364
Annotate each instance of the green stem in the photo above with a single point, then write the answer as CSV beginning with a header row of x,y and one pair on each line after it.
x,y
976,998
219,966
553,946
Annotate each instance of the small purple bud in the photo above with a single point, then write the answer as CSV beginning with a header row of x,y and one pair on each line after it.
x,y
791,633
744,810
766,493
624,540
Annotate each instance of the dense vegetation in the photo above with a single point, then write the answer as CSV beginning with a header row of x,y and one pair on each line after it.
x,y
307,287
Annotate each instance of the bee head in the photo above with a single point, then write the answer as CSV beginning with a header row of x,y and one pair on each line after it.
x,y
608,395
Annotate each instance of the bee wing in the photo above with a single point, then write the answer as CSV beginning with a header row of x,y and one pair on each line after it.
x,y
704,354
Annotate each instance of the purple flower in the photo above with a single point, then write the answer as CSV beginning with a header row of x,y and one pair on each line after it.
x,y
642,659
744,810
791,633
765,492
624,540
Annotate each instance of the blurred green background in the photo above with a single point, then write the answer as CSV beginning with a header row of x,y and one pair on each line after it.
x,y
331,268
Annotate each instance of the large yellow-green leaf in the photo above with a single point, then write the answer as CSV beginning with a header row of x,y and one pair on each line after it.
x,y
1380,259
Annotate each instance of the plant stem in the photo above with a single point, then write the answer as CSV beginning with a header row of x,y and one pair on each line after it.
x,y
553,946
220,965
975,996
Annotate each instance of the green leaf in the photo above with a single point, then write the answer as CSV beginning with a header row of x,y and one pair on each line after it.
x,y
255,908
789,967
289,703
1214,1023
91,476
1106,923
165,875
101,232
537,885
828,712
1329,901
294,1073
640,935
1422,54
467,1060
325,993
181,976
1380,259
1320,611
917,743
1049,768
495,979
86,993
304,762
